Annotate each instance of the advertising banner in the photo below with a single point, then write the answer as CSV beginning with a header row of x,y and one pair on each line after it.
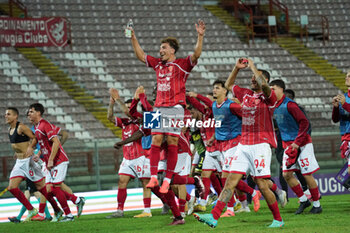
x,y
34,32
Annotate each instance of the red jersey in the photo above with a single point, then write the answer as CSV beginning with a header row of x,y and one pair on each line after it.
x,y
132,150
44,132
207,114
257,116
184,139
184,144
171,79
228,144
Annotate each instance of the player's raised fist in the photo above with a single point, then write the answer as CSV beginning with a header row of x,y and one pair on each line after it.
x,y
242,63
114,93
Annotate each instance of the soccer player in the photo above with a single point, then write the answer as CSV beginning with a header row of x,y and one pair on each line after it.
x,y
25,167
341,113
134,163
213,158
254,150
228,136
172,74
181,169
55,159
299,152
39,159
280,151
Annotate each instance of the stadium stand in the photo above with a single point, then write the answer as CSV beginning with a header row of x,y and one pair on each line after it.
x,y
101,57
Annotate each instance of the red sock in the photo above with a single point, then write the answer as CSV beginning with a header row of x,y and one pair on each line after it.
x,y
275,211
17,193
232,201
188,197
206,182
298,190
147,202
160,195
315,194
170,196
218,209
61,198
244,187
242,198
42,208
121,197
70,197
182,180
49,198
171,161
216,183
182,204
274,187
154,159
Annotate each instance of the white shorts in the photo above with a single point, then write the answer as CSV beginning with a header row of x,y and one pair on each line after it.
x,y
183,165
213,161
195,159
57,174
306,163
146,171
45,172
253,158
229,158
139,167
170,114
162,165
27,168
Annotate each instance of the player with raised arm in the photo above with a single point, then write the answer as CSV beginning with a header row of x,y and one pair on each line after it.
x,y
182,166
133,164
172,74
299,152
210,170
254,150
213,159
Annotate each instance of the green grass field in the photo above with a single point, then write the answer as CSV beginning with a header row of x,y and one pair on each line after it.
x,y
335,216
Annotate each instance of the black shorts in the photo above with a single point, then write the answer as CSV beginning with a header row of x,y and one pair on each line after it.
x,y
30,186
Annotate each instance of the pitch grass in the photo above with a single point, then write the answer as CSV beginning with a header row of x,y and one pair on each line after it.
x,y
335,218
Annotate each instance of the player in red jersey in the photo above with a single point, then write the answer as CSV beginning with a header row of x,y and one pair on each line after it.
x,y
134,161
25,167
213,158
79,202
172,74
254,150
182,166
299,151
54,157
